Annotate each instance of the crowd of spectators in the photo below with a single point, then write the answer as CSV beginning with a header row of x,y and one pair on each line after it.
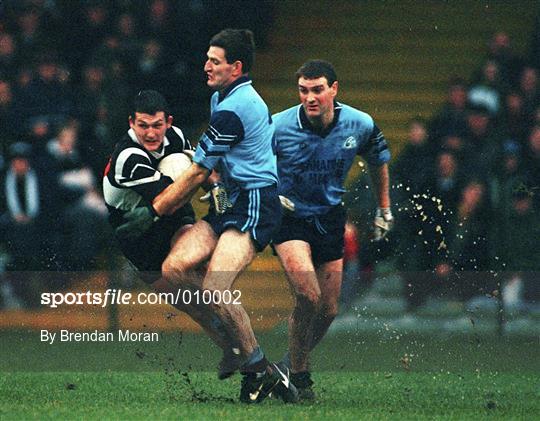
x,y
467,187
68,69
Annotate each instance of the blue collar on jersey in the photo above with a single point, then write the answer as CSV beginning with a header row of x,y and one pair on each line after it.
x,y
305,124
240,81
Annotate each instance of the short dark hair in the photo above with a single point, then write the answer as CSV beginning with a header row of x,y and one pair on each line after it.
x,y
20,150
457,82
314,69
149,102
238,45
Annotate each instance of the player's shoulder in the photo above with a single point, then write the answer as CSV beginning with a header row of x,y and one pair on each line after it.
x,y
354,115
127,146
287,117
127,151
240,90
178,142
242,99
175,132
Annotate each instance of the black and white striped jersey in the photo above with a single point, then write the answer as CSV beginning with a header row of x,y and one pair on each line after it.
x,y
131,177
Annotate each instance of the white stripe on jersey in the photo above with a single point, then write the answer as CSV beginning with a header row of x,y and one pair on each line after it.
x,y
140,166
123,199
185,142
121,161
155,177
219,136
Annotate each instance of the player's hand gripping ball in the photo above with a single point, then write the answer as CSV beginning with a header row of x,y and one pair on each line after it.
x,y
383,223
174,165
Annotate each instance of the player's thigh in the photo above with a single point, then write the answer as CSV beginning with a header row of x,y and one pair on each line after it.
x,y
191,247
330,275
179,233
295,257
233,253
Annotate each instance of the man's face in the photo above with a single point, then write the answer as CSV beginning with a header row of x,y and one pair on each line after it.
x,y
47,71
457,96
534,141
20,166
528,80
446,165
317,97
150,129
478,123
220,74
514,103
5,92
500,42
417,133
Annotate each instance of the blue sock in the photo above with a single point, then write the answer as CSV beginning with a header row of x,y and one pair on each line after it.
x,y
256,356
255,362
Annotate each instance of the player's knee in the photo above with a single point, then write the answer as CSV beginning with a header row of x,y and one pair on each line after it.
x,y
174,270
329,311
308,299
168,270
214,285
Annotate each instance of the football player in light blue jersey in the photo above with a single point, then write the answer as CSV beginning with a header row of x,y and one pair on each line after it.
x,y
239,144
317,142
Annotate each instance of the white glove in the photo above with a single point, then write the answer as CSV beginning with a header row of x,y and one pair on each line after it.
x,y
287,203
383,223
219,197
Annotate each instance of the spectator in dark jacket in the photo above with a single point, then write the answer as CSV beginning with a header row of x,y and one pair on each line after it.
x,y
451,119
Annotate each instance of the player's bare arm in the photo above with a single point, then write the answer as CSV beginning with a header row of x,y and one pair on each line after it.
x,y
380,179
181,191
384,219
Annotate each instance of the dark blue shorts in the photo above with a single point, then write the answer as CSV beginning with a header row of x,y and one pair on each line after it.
x,y
257,211
323,233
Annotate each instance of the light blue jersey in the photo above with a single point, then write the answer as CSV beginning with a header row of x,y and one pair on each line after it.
x,y
239,139
312,166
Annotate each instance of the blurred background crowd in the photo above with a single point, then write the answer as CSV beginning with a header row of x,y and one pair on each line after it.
x,y
466,189
466,185
68,71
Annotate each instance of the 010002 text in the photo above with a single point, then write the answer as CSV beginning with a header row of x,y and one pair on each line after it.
x,y
119,297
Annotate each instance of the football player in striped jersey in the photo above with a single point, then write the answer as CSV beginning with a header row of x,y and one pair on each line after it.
x,y
133,184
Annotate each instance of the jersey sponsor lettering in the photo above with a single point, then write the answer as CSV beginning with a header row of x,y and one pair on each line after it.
x,y
313,165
